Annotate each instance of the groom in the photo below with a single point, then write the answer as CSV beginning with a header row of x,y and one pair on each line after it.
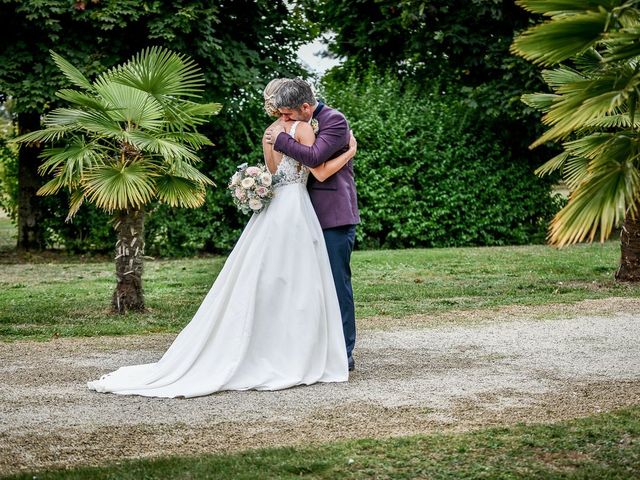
x,y
334,200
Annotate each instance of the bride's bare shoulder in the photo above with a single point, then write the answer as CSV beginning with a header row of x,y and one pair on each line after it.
x,y
304,127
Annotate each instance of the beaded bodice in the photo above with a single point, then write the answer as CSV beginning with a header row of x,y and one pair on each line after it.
x,y
289,170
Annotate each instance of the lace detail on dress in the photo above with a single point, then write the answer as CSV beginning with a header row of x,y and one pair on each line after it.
x,y
289,170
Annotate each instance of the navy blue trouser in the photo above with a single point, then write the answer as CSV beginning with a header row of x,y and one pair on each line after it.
x,y
340,241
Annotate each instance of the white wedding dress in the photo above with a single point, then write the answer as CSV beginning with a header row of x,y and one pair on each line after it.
x,y
271,319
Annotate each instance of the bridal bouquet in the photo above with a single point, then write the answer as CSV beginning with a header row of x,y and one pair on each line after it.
x,y
251,188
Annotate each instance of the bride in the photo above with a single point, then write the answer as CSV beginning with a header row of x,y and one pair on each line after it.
x,y
271,320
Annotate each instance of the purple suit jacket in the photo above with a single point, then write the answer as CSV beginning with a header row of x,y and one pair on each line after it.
x,y
334,200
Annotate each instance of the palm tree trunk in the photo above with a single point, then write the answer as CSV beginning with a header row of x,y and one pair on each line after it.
x,y
629,270
30,209
128,294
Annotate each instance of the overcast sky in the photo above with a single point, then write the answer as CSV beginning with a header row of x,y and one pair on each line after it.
x,y
306,55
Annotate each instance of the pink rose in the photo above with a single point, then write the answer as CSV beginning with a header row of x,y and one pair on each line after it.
x,y
261,191
253,171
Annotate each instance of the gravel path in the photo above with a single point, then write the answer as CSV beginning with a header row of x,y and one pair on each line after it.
x,y
408,381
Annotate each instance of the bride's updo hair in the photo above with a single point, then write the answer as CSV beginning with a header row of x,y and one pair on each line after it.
x,y
270,95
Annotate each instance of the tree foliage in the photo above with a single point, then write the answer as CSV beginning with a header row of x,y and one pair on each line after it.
x,y
239,45
461,42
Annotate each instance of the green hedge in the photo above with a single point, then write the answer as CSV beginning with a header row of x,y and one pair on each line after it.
x,y
8,178
430,173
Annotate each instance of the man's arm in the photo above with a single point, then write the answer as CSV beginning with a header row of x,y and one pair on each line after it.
x,y
332,138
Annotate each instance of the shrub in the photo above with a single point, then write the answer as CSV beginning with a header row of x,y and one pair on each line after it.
x,y
8,179
429,175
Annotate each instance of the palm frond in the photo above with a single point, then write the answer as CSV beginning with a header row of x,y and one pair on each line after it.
x,y
555,163
540,101
576,170
118,187
70,161
183,113
101,124
597,205
585,101
590,146
185,170
180,192
63,116
50,134
96,121
71,72
627,14
75,202
624,44
160,72
51,187
589,62
561,38
201,109
164,146
565,7
82,99
561,76
618,121
195,139
131,105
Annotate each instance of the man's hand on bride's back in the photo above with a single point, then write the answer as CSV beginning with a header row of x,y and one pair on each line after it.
x,y
353,143
272,132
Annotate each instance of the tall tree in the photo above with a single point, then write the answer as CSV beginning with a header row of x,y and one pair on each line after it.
x,y
460,42
240,46
593,111
128,138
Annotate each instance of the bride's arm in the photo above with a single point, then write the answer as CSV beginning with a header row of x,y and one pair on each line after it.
x,y
330,167
305,135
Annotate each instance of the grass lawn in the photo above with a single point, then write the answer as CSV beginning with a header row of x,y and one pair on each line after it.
x,y
606,446
69,296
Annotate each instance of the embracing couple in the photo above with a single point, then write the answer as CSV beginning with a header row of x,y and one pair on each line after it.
x,y
281,311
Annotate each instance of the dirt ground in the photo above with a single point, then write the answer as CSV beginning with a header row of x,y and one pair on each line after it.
x,y
414,375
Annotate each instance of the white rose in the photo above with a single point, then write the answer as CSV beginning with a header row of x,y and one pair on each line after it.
x,y
265,179
235,179
255,204
248,182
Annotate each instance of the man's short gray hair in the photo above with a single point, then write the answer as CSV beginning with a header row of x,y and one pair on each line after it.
x,y
292,93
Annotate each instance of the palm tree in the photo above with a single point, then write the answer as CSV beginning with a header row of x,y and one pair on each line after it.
x,y
128,138
594,46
